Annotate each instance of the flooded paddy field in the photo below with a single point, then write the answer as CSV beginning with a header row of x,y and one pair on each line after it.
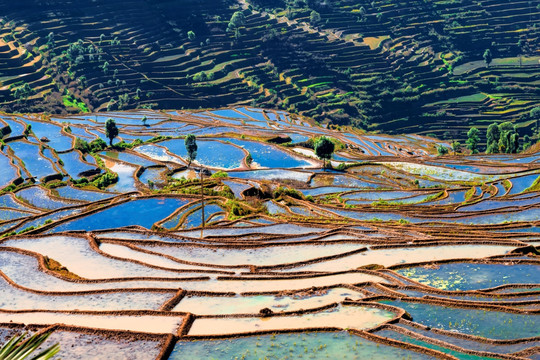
x,y
393,253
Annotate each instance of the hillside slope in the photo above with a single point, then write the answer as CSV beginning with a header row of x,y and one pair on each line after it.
x,y
413,66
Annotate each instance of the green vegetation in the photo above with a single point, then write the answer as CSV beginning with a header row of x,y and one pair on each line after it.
x,y
338,63
92,147
71,101
19,348
324,148
111,131
219,175
502,138
442,150
191,147
473,139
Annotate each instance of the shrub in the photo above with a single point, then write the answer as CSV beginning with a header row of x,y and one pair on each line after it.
x,y
220,174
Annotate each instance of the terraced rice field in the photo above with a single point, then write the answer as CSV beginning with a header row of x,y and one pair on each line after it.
x,y
394,253
395,66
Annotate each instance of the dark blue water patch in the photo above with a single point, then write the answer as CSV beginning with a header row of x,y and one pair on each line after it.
x,y
325,190
236,187
228,113
8,172
12,214
520,184
72,193
272,174
8,201
315,345
81,133
195,218
51,131
296,138
257,115
8,225
498,204
76,120
410,340
40,198
214,130
531,229
382,195
468,168
154,175
17,129
34,162
341,180
516,216
470,276
142,212
73,164
209,153
261,221
128,157
132,137
40,221
270,156
478,322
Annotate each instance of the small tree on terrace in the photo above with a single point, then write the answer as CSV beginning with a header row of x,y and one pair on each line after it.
x,y
493,136
314,18
472,140
191,148
442,150
111,131
324,148
456,147
488,58
191,35
238,19
535,115
509,140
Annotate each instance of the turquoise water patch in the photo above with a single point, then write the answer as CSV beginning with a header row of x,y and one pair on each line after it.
x,y
318,345
479,322
410,340
69,192
466,276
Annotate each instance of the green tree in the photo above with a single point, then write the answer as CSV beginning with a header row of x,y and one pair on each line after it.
x,y
19,348
314,17
493,136
144,119
535,115
442,150
111,131
191,35
527,143
488,58
509,140
191,147
472,140
456,147
238,19
324,148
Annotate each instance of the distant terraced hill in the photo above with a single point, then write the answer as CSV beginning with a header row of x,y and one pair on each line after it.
x,y
394,66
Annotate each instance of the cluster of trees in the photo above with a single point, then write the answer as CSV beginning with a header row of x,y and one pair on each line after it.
x,y
502,138
23,92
